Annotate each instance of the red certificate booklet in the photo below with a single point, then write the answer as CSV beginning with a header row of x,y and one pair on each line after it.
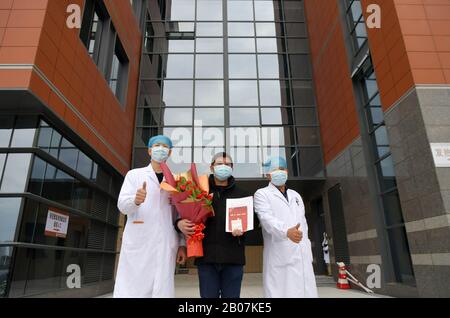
x,y
239,214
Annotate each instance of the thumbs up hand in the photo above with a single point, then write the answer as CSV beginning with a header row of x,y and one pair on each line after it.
x,y
141,194
294,234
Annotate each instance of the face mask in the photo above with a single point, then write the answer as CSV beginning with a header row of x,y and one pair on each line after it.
x,y
279,178
223,172
160,153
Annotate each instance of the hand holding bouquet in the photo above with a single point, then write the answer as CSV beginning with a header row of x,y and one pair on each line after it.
x,y
190,195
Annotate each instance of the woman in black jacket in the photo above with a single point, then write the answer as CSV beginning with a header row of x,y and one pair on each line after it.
x,y
221,268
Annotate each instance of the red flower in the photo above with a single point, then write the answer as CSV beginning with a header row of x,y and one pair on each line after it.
x,y
183,187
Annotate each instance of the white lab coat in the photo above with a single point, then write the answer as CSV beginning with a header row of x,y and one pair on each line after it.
x,y
150,243
287,268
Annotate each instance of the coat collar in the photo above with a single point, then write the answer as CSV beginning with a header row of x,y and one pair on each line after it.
x,y
278,193
151,173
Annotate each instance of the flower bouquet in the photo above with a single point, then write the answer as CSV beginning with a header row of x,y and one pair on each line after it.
x,y
190,195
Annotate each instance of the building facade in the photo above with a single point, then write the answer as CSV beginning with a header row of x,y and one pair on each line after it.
x,y
354,109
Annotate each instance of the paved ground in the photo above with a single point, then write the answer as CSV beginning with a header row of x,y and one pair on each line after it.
x,y
187,287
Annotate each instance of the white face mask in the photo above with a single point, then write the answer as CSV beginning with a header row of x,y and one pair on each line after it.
x,y
279,178
160,153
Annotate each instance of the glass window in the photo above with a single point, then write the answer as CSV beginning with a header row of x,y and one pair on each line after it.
x,y
205,45
6,128
84,165
300,65
203,156
298,45
382,141
178,93
371,87
311,164
37,176
209,93
210,116
243,93
387,173
209,137
180,66
180,160
24,132
272,66
209,29
244,116
240,10
209,10
16,173
241,45
268,45
308,136
242,66
181,46
209,66
247,162
303,93
182,10
244,136
305,116
296,29
264,11
270,93
266,29
68,154
276,136
241,29
271,116
181,136
2,163
9,212
177,117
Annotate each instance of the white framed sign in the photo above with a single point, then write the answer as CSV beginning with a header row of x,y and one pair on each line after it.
x,y
441,154
57,224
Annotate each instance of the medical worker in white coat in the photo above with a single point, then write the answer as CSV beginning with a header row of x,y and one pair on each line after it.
x,y
150,246
287,267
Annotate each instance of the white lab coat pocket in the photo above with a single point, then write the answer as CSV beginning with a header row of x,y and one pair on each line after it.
x,y
134,235
285,253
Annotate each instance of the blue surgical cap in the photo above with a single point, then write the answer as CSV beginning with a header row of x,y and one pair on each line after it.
x,y
274,163
160,140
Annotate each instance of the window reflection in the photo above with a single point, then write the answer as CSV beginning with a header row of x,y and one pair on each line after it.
x,y
240,10
269,45
244,116
209,66
272,66
241,45
16,173
209,10
6,128
243,93
264,11
178,93
180,66
177,117
210,116
241,29
206,45
270,93
182,10
181,46
209,29
242,66
209,93
9,212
